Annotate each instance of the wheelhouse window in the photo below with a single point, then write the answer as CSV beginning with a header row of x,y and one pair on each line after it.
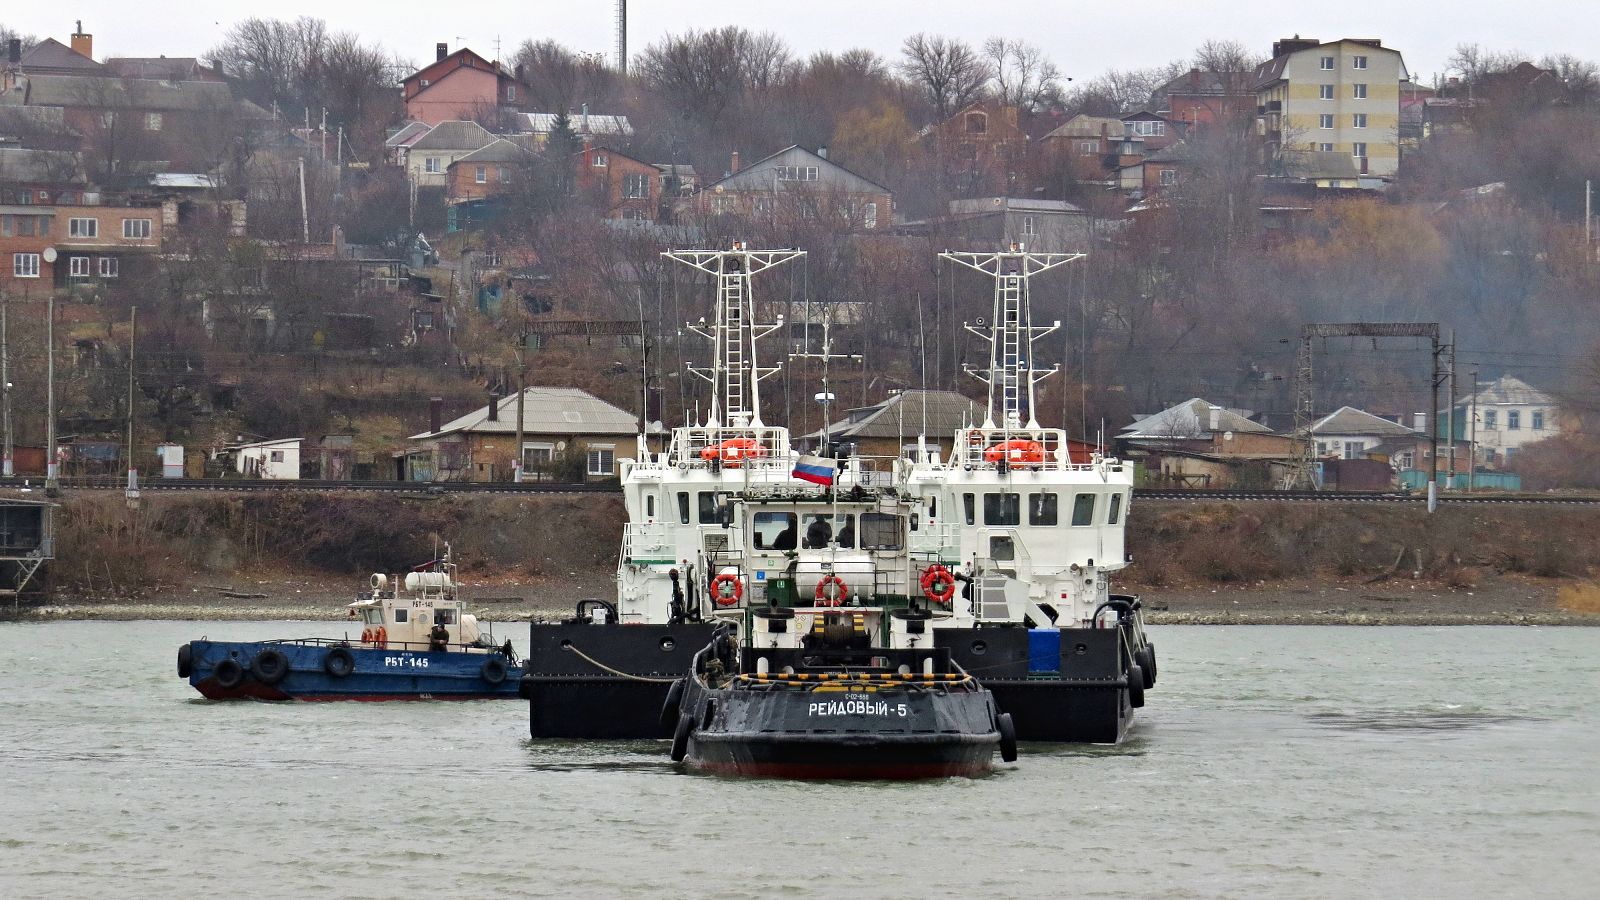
x,y
774,530
969,504
1041,509
400,616
880,531
708,508
1083,509
1002,509
1115,514
683,507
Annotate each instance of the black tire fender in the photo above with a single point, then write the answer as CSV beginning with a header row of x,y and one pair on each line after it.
x,y
185,660
525,687
1135,686
494,670
338,663
228,674
680,738
1150,658
669,708
1008,737
270,666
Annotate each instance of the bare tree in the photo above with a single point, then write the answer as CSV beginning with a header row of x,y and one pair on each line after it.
x,y
9,34
947,71
1119,92
703,74
1023,75
560,79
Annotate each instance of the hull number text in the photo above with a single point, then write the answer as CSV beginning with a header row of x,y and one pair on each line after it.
x,y
857,708
410,662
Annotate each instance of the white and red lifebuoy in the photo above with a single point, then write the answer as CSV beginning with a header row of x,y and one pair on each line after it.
x,y
939,584
727,589
832,591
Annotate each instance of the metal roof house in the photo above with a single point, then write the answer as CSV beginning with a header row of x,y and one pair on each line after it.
x,y
1347,433
566,432
887,427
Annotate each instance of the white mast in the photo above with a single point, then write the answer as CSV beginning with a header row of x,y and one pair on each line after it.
x,y
734,373
1011,333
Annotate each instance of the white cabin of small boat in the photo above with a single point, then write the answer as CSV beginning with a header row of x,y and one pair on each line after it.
x,y
401,611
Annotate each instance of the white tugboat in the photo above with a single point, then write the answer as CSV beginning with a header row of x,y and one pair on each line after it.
x,y
1035,532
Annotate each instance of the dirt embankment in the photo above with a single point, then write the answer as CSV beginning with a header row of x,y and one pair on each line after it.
x,y
304,555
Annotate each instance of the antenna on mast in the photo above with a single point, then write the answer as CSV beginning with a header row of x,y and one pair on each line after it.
x,y
1011,374
734,373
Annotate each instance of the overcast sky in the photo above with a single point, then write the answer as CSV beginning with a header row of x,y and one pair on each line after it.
x,y
1085,39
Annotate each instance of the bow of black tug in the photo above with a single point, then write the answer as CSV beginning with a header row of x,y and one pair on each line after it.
x,y
878,713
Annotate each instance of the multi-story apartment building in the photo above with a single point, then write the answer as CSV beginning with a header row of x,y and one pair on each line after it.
x,y
1319,104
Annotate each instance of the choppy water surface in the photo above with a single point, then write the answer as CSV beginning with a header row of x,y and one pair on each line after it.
x,y
1271,762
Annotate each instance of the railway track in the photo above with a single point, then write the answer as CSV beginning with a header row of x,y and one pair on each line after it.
x,y
167,485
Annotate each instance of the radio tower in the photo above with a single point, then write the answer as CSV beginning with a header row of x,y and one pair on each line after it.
x,y
622,37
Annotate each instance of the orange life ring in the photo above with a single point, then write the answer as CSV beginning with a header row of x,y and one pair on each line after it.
x,y
841,595
366,635
938,584
380,636
1017,452
733,451
721,594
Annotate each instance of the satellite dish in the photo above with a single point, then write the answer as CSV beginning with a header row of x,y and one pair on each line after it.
x,y
1227,435
49,254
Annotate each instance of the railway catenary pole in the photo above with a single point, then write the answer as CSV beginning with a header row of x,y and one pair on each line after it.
x,y
133,466
51,463
1433,423
6,467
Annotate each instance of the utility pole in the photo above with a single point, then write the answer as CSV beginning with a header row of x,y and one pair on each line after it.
x,y
51,475
133,465
305,220
6,468
1472,470
522,390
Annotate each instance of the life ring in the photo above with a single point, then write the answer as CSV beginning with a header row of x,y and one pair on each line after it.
x,y
228,674
380,637
269,666
1016,452
733,451
938,584
838,597
339,662
720,592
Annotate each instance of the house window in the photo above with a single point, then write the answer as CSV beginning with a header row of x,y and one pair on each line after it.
x,y
481,175
1169,177
1538,420
797,173
977,123
83,228
1083,509
869,217
108,267
491,259
633,215
636,187
1002,509
25,265
1325,148
601,161
602,460
502,174
1327,63
1027,225
511,93
1088,148
1358,120
152,121
430,165
1325,120
1358,62
1358,149
1147,128
536,456
1041,509
1490,418
1358,91
277,456
1513,420
1327,92
78,267
136,229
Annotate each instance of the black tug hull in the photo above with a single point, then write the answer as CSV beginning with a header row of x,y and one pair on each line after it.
x,y
573,687
806,732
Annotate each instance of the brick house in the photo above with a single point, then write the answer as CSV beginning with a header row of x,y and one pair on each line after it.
x,y
461,85
89,243
624,187
981,149
1203,99
487,171
797,182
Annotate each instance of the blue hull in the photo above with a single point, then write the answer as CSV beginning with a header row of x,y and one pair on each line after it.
x,y
229,670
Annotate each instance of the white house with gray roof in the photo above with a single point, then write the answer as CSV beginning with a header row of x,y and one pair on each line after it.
x,y
796,182
428,158
1511,414
1348,433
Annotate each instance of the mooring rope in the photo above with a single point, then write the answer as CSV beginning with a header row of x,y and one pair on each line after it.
x,y
618,672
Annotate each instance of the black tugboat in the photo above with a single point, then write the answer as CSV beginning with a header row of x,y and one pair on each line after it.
x,y
835,706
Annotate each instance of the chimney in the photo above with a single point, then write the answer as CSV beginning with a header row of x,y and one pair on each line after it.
x,y
1216,419
1419,421
823,151
435,414
733,164
82,44
494,407
14,51
440,51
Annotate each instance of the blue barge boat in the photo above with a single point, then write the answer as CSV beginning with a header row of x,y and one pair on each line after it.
x,y
417,643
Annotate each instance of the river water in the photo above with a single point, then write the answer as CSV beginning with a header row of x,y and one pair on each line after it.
x,y
1271,762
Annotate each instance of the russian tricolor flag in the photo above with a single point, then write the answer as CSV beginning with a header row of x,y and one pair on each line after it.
x,y
816,469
